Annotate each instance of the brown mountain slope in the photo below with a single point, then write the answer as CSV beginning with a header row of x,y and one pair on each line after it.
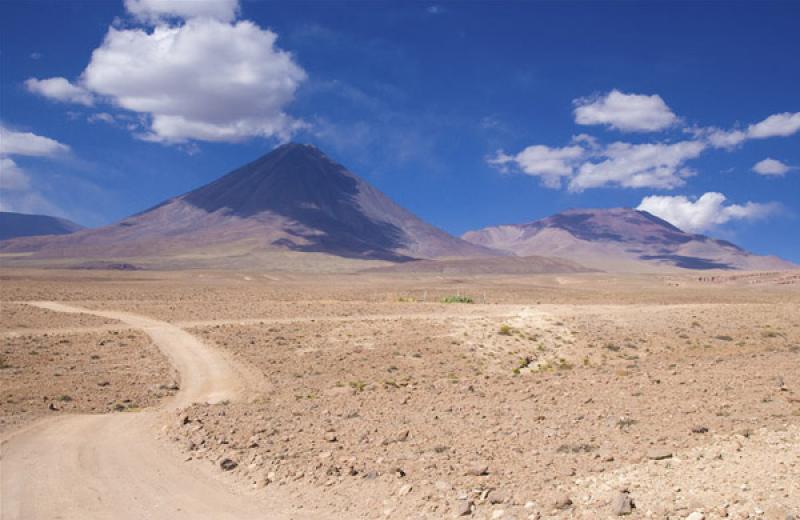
x,y
292,199
620,239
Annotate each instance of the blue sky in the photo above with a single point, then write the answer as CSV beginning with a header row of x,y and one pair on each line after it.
x,y
469,114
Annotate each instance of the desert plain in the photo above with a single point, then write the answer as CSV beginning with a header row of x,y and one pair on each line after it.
x,y
249,395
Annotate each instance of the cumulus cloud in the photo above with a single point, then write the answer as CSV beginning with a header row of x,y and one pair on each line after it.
x,y
625,112
587,164
653,165
771,166
60,89
27,143
207,78
157,10
549,164
776,125
704,213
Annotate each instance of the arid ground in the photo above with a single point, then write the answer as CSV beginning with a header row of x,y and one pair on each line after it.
x,y
247,395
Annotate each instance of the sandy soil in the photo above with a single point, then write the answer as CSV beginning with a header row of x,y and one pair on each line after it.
x,y
361,396
98,372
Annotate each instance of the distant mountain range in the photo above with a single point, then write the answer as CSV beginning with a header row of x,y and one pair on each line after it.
x,y
292,199
16,225
619,239
296,200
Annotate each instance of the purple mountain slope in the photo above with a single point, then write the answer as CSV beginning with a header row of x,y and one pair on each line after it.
x,y
292,199
620,239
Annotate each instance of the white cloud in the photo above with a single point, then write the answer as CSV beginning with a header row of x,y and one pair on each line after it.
x,y
587,164
16,190
705,213
204,79
771,166
652,165
719,138
12,178
27,143
550,164
60,89
625,112
105,117
156,10
776,125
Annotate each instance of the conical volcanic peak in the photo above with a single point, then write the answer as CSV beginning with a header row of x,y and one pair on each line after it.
x,y
294,198
619,239
300,183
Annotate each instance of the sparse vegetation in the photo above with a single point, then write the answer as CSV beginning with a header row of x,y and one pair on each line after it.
x,y
505,330
358,386
457,299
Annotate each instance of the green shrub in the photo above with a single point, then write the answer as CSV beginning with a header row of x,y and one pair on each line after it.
x,y
457,299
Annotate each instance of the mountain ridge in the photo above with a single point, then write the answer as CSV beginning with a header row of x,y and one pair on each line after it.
x,y
19,225
619,238
293,198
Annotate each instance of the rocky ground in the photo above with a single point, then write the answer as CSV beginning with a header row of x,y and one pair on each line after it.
x,y
578,397
48,374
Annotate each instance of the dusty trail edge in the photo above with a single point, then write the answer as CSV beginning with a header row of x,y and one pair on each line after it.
x,y
114,466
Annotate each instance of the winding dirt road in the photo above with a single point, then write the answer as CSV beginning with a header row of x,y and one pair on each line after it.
x,y
114,466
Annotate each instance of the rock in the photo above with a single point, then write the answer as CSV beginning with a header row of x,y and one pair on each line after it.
x,y
563,502
697,515
699,429
623,505
405,490
499,513
443,486
52,407
464,508
497,497
659,454
227,464
478,470
330,436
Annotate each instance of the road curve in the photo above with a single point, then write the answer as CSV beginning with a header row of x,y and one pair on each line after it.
x,y
86,467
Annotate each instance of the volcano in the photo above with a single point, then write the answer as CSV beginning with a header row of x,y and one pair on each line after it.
x,y
293,199
620,239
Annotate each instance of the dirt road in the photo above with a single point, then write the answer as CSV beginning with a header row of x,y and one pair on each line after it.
x,y
114,466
